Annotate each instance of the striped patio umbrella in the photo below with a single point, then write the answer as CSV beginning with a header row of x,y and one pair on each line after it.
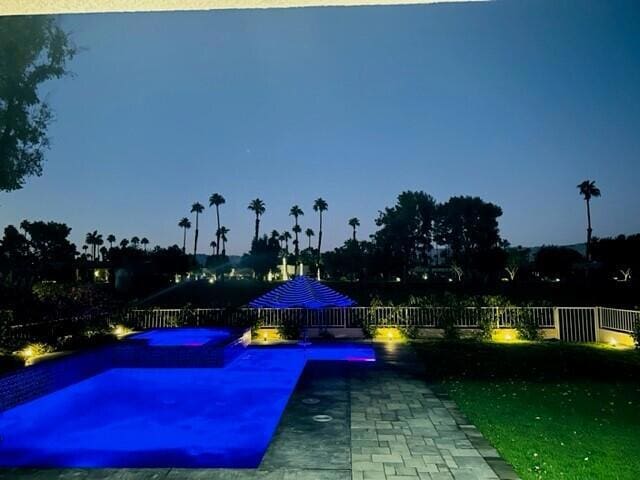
x,y
302,292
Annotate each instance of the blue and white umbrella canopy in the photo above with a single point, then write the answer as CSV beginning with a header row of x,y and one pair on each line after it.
x,y
302,292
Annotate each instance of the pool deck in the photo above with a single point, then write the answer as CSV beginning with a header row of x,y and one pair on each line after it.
x,y
387,424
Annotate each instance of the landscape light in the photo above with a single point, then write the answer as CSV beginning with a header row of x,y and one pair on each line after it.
x,y
31,351
121,331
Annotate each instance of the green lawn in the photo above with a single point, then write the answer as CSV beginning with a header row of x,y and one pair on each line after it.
x,y
553,411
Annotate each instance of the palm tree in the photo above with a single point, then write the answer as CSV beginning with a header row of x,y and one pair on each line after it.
x,y
354,223
222,233
309,233
320,205
111,238
124,243
296,230
85,248
213,247
217,200
135,241
257,206
184,223
589,190
95,240
103,253
196,208
286,236
275,235
296,212
144,242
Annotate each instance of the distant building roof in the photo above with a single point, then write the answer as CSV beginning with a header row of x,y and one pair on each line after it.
x,y
302,292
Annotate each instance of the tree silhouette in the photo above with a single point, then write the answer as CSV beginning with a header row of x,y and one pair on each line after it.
x,y
309,233
257,206
320,205
111,238
135,241
213,244
354,223
296,212
185,224
33,50
286,236
589,190
95,240
222,234
196,208
144,242
216,200
124,243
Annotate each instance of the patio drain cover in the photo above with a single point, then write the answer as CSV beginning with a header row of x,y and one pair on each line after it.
x,y
310,401
322,418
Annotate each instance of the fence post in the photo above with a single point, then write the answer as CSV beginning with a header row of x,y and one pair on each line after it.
x,y
556,321
596,322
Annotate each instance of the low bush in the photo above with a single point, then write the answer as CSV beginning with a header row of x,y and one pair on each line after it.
x,y
636,333
290,329
527,325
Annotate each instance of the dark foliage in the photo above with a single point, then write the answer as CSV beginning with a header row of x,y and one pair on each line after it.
x,y
33,50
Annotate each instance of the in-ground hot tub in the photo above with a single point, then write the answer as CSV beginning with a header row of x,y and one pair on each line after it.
x,y
184,337
183,347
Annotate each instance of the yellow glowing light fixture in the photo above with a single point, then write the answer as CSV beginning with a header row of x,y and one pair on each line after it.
x,y
121,331
33,350
389,334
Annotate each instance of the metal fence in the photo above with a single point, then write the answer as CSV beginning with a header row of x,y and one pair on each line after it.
x,y
354,317
571,324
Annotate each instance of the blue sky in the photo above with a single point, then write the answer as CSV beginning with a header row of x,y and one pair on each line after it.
x,y
514,101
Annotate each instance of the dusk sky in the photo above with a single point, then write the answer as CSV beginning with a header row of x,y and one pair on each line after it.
x,y
513,101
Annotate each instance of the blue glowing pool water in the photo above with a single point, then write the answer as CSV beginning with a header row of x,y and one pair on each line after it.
x,y
164,417
183,337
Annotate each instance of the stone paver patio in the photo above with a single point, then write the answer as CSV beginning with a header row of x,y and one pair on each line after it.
x,y
388,424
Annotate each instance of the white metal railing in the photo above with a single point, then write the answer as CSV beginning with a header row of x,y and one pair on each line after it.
x,y
618,319
575,324
352,317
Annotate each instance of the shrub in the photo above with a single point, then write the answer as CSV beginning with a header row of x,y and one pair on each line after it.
x,y
493,305
527,325
369,325
290,329
32,350
636,333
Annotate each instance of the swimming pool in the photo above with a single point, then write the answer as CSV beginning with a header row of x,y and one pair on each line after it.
x,y
164,417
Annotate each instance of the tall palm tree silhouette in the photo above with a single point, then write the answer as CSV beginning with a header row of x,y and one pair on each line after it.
x,y
223,237
589,190
213,244
144,242
309,233
111,238
296,212
196,208
257,206
354,223
184,223
95,240
135,241
217,200
320,205
286,236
